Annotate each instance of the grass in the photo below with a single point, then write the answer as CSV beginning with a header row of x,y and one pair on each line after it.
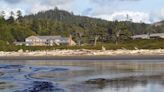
x,y
127,44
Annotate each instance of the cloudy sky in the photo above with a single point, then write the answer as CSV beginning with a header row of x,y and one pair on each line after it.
x,y
148,11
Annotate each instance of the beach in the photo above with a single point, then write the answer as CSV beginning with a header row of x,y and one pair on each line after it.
x,y
84,54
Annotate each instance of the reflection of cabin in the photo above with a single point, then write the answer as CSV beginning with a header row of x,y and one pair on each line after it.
x,y
148,36
49,41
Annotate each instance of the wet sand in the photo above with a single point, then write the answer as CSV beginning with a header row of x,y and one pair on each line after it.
x,y
117,57
81,75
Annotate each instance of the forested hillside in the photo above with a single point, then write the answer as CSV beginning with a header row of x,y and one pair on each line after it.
x,y
60,22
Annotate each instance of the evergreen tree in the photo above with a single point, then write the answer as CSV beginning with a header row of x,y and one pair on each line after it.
x,y
2,15
20,17
11,18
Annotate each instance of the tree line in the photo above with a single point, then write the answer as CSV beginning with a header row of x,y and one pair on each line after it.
x,y
84,30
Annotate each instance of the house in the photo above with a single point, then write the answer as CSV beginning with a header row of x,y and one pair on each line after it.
x,y
157,35
48,41
19,43
143,36
148,36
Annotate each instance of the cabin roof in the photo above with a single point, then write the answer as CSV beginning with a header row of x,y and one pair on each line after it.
x,y
44,37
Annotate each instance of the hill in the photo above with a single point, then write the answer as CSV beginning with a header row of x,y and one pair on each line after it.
x,y
60,22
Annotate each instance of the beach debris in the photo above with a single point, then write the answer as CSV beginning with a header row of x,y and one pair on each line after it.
x,y
136,48
20,51
85,52
103,48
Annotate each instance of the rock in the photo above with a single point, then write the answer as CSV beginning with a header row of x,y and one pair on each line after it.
x,y
42,86
101,83
97,81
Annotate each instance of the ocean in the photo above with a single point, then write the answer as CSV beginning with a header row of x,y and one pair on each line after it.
x,y
82,75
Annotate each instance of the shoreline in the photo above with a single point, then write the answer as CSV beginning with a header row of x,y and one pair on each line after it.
x,y
123,57
83,54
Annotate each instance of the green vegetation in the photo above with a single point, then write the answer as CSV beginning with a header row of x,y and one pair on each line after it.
x,y
89,33
129,44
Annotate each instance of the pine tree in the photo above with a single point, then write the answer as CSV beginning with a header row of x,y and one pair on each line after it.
x,y
11,18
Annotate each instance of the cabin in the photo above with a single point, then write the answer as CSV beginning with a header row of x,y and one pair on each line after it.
x,y
148,36
157,35
48,41
143,36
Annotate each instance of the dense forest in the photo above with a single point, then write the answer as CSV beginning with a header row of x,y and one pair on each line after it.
x,y
60,22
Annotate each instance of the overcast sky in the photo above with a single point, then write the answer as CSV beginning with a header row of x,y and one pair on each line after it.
x,y
138,10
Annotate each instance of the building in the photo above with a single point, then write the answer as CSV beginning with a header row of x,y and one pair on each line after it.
x,y
48,41
143,36
148,36
157,35
19,43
